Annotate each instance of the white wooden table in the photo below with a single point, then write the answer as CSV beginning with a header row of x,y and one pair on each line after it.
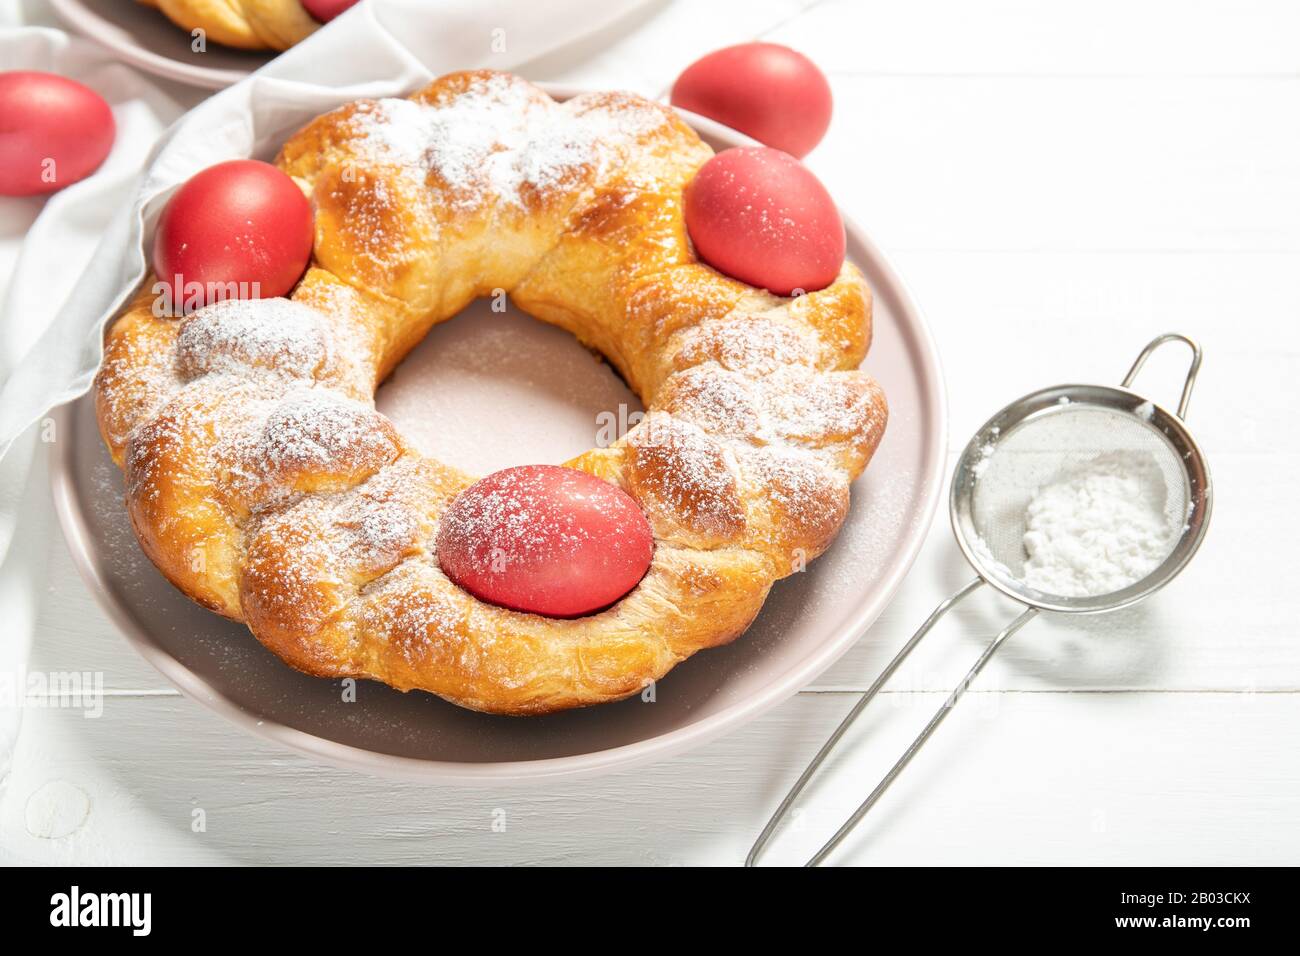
x,y
1058,183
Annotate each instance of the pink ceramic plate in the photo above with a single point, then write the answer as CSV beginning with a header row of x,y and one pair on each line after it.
x,y
143,37
528,409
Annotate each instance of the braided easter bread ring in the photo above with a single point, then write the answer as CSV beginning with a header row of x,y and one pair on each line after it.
x,y
262,482
245,24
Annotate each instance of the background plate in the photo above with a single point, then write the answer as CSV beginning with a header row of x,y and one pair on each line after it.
x,y
143,37
487,390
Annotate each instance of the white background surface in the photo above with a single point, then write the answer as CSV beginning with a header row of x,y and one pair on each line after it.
x,y
1058,183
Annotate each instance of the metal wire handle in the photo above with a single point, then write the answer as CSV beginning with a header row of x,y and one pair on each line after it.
x,y
1024,618
1190,381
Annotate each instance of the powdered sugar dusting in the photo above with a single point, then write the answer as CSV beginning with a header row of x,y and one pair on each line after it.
x,y
752,344
812,497
723,403
318,429
681,469
499,138
819,408
244,335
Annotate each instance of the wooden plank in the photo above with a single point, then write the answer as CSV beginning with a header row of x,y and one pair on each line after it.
x,y
1011,778
1023,37
647,49
1067,164
947,38
1008,323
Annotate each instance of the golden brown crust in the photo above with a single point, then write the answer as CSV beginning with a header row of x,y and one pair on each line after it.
x,y
264,485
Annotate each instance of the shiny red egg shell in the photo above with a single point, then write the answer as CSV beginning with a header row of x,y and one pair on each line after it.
x,y
758,215
767,91
239,229
53,132
546,540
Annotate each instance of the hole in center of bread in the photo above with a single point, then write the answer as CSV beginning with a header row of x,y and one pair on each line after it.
x,y
487,390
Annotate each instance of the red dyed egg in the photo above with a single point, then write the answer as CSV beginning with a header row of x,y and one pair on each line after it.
x,y
326,10
765,90
545,539
53,132
758,215
240,229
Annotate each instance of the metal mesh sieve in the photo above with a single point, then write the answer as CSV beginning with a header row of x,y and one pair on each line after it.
x,y
1054,432
1030,443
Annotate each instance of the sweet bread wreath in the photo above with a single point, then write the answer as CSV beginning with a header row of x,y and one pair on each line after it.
x,y
262,482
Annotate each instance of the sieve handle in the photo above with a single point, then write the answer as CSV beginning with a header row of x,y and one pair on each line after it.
x,y
911,751
1191,372
852,715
